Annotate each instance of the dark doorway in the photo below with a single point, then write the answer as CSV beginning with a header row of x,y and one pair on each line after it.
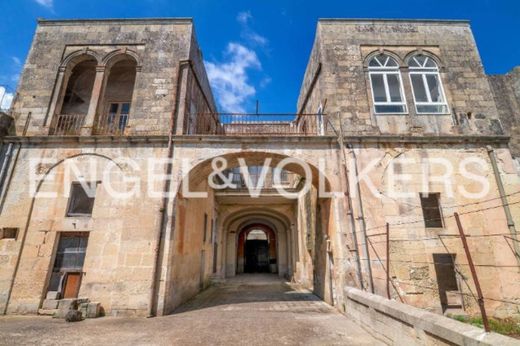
x,y
449,294
256,256
68,265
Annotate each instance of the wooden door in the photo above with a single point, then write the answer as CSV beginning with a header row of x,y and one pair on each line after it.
x,y
72,284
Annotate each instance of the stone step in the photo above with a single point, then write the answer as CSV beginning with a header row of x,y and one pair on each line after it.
x,y
47,312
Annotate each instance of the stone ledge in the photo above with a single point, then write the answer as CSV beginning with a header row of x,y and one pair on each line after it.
x,y
439,326
368,139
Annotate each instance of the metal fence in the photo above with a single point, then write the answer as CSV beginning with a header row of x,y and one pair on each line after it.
x,y
235,124
387,254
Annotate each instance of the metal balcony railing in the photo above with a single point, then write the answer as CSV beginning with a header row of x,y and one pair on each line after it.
x,y
112,124
67,124
234,124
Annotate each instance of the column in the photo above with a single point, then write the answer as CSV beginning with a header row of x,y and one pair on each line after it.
x,y
88,124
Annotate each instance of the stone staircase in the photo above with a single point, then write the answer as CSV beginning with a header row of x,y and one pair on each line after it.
x,y
59,308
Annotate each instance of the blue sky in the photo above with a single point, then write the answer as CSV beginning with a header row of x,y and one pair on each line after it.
x,y
259,49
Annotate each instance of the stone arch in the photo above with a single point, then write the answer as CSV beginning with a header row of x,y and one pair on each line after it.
x,y
237,221
120,54
424,52
121,68
78,56
201,170
380,51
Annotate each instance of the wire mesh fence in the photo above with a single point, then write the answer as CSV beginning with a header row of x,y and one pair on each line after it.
x,y
400,265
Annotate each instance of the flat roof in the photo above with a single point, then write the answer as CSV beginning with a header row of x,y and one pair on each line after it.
x,y
152,20
395,20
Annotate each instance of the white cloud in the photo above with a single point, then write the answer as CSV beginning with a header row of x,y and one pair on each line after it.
x,y
229,79
244,17
247,33
16,60
5,99
45,3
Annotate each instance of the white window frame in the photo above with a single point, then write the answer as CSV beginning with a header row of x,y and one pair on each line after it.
x,y
423,72
385,71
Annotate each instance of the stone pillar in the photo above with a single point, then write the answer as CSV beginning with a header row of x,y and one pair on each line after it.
x,y
57,97
181,100
99,81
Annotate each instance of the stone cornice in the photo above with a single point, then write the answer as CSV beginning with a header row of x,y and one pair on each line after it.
x,y
374,139
141,21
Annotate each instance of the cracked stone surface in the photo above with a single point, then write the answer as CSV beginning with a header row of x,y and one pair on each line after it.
x,y
254,309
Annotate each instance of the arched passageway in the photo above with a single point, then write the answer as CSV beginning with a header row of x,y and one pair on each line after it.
x,y
229,232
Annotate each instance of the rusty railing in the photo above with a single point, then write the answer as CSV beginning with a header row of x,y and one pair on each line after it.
x,y
67,124
111,124
235,124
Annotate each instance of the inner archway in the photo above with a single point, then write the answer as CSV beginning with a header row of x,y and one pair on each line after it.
x,y
256,250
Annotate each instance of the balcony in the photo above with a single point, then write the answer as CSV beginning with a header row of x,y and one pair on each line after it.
x,y
67,124
220,124
234,124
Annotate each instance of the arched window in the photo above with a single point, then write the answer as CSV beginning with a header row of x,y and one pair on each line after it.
x,y
73,103
426,85
387,86
117,96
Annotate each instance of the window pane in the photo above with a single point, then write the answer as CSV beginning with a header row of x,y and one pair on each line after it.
x,y
80,202
125,108
434,87
374,62
113,107
390,108
430,63
418,88
420,59
391,62
378,87
432,108
395,87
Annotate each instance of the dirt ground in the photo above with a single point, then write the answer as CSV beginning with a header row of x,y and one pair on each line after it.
x,y
247,310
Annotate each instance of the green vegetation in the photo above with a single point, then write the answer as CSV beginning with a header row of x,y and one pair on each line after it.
x,y
507,326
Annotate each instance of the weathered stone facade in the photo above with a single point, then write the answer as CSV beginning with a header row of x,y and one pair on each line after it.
x,y
148,254
506,90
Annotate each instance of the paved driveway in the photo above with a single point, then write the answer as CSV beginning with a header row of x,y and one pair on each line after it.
x,y
246,310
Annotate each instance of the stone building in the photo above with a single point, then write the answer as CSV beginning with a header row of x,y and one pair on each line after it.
x,y
105,106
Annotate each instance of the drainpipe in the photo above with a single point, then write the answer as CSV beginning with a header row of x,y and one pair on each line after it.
x,y
505,203
350,210
152,308
6,161
362,222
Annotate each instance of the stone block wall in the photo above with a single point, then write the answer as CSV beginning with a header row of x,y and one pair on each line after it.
x,y
158,45
394,323
122,232
506,90
342,46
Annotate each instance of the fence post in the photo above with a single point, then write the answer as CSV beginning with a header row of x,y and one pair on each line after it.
x,y
388,260
473,274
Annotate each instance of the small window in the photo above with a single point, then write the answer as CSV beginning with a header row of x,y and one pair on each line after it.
x,y
81,201
426,86
431,209
9,233
386,84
